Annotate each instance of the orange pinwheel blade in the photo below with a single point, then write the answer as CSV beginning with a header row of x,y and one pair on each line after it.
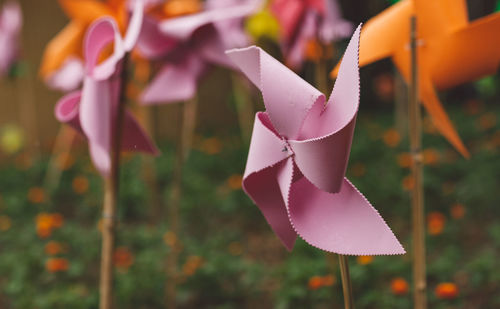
x,y
85,11
476,50
65,43
383,34
436,18
439,117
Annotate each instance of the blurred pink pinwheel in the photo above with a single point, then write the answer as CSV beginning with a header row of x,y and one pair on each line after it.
x,y
11,22
189,44
298,157
93,110
304,20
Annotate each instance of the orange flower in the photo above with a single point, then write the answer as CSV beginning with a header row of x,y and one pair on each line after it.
x,y
328,280
211,146
80,184
457,211
358,169
399,286
122,258
391,138
36,195
46,222
234,182
68,42
315,282
446,290
487,121
364,259
192,264
408,183
53,248
430,156
56,265
405,160
435,223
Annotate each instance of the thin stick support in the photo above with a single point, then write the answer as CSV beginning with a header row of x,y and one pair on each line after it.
x,y
346,282
418,222
112,184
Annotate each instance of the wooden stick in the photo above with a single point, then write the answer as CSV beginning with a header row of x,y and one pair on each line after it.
x,y
188,126
346,282
112,185
62,145
415,126
244,107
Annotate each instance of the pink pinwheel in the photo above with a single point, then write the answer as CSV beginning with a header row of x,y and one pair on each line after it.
x,y
298,158
11,20
93,110
188,45
305,20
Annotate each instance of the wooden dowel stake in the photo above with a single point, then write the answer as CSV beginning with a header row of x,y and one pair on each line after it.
x,y
188,126
111,189
346,282
418,222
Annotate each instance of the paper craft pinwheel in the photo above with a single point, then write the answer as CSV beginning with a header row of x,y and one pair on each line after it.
x,y
305,20
62,63
11,20
188,45
451,50
298,158
93,110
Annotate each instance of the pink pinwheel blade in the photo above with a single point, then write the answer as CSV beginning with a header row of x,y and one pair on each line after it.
x,y
68,77
175,82
344,223
134,138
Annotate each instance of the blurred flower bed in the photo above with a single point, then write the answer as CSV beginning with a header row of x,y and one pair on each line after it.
x,y
229,258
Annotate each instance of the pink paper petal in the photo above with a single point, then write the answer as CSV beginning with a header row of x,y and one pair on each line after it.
x,y
260,179
183,27
344,223
153,44
174,83
68,77
66,110
134,138
326,135
287,97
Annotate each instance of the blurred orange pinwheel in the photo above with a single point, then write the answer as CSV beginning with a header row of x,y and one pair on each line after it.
x,y
61,64
451,50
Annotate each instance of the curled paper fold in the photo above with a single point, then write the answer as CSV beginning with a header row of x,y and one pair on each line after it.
x,y
298,155
93,110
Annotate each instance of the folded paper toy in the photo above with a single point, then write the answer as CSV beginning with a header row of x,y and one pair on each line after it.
x,y
304,20
188,44
298,157
451,50
93,110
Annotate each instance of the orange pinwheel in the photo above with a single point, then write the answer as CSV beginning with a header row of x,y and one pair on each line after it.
x,y
68,42
451,50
